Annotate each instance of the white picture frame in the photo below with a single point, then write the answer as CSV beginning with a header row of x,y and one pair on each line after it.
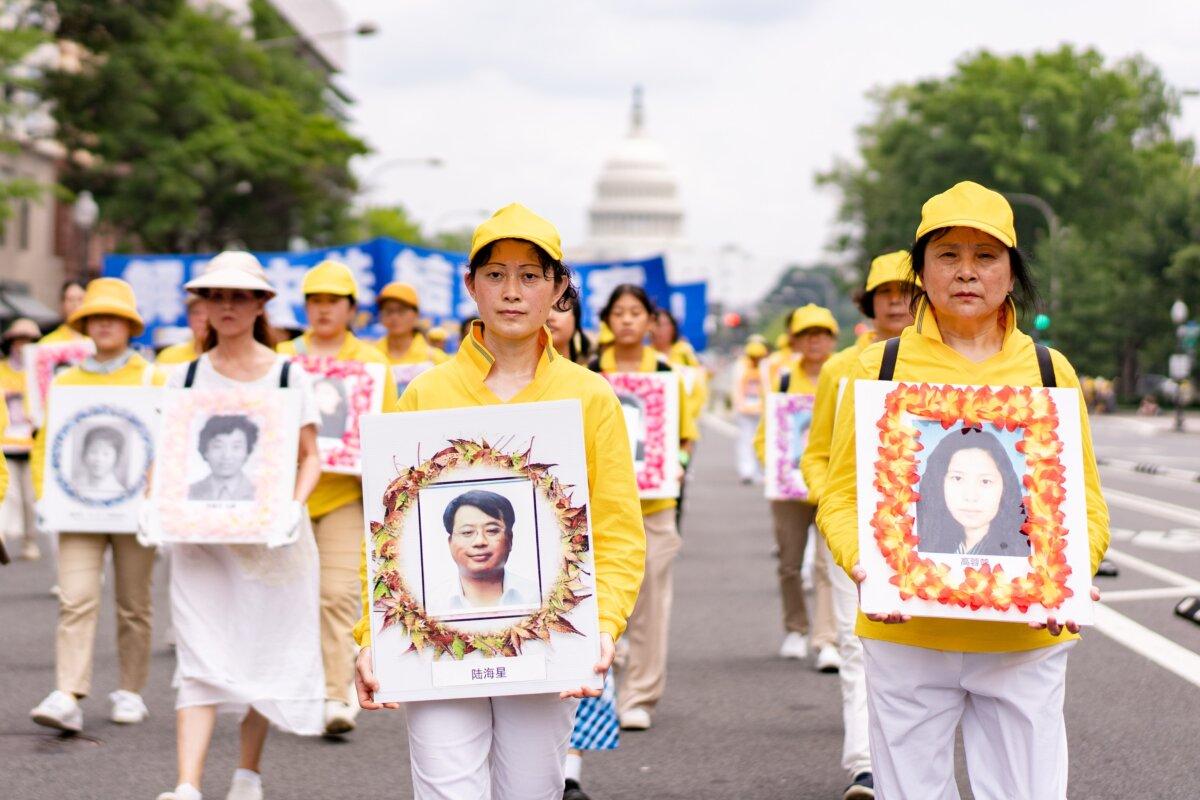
x,y
42,363
652,406
942,462
432,637
345,391
100,446
787,423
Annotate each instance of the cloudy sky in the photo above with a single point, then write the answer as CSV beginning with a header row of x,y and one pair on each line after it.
x,y
750,97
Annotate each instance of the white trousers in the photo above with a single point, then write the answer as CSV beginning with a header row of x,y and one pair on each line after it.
x,y
490,748
1010,706
856,746
747,459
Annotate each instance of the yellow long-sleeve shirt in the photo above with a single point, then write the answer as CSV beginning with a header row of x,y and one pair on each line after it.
x,y
798,383
618,538
334,490
814,464
418,352
688,431
61,334
180,353
132,374
681,354
925,357
3,462
12,382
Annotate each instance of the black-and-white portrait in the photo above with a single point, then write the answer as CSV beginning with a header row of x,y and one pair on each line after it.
x,y
100,459
226,443
480,548
635,424
333,405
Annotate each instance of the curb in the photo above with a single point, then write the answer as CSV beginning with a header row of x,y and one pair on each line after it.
x,y
1150,469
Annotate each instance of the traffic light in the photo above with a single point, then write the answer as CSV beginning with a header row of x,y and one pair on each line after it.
x,y
1041,323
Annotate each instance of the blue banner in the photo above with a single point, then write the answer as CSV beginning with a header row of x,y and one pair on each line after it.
x,y
158,281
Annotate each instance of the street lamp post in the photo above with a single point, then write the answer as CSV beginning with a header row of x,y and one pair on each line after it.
x,y
361,29
1181,362
85,213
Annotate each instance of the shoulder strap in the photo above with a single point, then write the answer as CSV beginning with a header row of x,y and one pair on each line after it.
x,y
891,351
283,374
663,366
190,377
594,364
785,380
1046,366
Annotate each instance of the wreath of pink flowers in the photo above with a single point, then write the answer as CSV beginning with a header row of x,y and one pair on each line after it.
x,y
360,389
787,473
652,395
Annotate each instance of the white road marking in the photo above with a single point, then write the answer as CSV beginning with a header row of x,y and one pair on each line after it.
x,y
1157,508
1148,568
1143,641
723,427
1163,593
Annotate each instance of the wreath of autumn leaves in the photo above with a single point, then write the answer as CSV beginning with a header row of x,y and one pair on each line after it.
x,y
1030,409
390,591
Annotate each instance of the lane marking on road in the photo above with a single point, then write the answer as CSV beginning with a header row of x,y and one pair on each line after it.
x,y
1158,508
722,426
1164,593
1149,568
1149,468
1145,642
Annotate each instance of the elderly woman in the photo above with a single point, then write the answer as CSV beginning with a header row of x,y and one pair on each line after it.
x,y
1005,682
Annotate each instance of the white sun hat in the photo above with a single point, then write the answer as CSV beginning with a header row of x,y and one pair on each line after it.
x,y
232,269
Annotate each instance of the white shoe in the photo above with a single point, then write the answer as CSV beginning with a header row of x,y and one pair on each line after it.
x,y
828,659
127,708
59,710
184,791
339,717
245,789
635,719
794,646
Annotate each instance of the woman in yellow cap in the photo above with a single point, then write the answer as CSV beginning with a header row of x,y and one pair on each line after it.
x,y
197,320
404,345
331,302
1004,682
70,295
748,406
812,333
629,314
886,299
17,520
512,748
108,314
237,608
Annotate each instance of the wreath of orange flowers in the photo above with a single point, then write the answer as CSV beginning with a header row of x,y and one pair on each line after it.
x,y
391,594
896,479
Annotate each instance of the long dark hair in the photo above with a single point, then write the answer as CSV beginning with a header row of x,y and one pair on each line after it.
x,y
579,349
635,291
551,268
938,531
262,328
1025,294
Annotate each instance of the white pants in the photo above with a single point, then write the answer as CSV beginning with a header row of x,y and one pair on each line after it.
x,y
490,748
856,746
1010,706
747,459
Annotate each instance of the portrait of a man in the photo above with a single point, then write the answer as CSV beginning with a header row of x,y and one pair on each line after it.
x,y
479,527
100,464
226,442
971,502
330,394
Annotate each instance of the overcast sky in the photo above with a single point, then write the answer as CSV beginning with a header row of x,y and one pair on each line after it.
x,y
750,97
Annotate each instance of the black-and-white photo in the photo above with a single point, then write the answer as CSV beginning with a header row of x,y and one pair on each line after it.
x,y
226,443
480,549
333,404
101,459
635,424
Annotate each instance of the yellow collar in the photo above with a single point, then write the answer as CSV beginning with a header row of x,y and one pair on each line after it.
x,y
344,353
475,353
608,360
926,320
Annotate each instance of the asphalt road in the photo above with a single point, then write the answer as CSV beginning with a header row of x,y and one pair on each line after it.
x,y
737,721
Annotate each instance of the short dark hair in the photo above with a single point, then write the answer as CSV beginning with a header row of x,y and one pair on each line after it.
x,y
1026,294
490,503
104,433
664,313
551,268
634,291
221,424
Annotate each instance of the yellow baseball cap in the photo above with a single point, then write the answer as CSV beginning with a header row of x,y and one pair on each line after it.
x,y
890,267
756,350
813,316
437,335
969,205
515,221
404,292
330,277
108,296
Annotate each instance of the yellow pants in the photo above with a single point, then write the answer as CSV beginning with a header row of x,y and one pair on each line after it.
x,y
339,536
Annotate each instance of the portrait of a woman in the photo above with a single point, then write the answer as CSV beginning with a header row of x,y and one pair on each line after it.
x,y
100,460
479,528
971,500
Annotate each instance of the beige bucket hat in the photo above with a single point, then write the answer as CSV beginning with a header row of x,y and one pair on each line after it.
x,y
232,269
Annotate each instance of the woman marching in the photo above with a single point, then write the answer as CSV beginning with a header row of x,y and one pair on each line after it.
x,y
629,314
404,345
886,299
17,519
331,302
237,608
1004,682
512,748
108,314
566,330
748,407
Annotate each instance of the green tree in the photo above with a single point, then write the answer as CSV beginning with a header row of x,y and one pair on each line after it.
x,y
201,138
1092,139
390,221
17,80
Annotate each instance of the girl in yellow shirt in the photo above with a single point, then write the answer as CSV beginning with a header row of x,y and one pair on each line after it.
x,y
17,519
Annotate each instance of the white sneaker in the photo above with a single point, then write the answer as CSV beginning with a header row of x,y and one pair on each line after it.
x,y
794,646
828,659
184,791
339,717
245,789
635,719
59,710
127,707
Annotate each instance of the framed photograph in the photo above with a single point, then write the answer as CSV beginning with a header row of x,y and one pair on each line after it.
x,y
651,401
100,443
20,423
226,467
789,417
42,363
479,548
971,502
403,374
345,391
